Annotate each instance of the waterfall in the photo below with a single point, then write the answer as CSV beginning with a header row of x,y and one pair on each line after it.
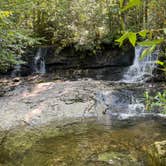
x,y
141,70
17,70
39,61
120,104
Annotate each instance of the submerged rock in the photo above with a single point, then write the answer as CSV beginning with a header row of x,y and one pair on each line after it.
x,y
80,143
117,158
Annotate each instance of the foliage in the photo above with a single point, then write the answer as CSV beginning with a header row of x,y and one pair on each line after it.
x,y
148,36
149,39
131,4
83,24
14,39
156,102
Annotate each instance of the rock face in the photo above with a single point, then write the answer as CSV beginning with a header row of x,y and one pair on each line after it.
x,y
69,57
105,73
157,154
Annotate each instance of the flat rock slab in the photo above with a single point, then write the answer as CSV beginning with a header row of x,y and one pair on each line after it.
x,y
34,103
40,103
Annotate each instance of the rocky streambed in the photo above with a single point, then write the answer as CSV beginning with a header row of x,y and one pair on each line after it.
x,y
51,122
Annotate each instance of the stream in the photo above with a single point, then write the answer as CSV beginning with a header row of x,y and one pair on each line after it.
x,y
88,142
92,121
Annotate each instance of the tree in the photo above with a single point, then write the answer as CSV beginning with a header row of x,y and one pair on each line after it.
x,y
14,37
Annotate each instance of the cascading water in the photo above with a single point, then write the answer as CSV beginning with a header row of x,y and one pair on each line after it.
x,y
39,61
17,68
141,70
121,104
127,103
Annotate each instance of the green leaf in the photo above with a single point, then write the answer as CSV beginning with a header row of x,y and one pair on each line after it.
x,y
131,4
122,38
164,30
144,53
128,35
132,38
4,14
143,33
149,43
160,63
121,3
147,52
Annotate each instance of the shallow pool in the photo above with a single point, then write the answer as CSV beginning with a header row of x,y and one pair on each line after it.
x,y
85,143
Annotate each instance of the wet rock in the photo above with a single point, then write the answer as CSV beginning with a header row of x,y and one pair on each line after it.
x,y
69,57
16,79
103,73
157,154
34,102
120,101
117,158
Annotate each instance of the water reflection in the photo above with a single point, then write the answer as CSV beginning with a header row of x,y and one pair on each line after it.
x,y
86,143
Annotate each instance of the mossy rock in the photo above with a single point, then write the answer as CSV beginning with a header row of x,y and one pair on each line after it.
x,y
19,141
157,154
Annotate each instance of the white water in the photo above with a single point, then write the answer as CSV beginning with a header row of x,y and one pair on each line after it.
x,y
39,61
141,70
121,104
126,103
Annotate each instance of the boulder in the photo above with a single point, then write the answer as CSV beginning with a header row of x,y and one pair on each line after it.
x,y
157,154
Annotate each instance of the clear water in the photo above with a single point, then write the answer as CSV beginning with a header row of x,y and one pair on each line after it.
x,y
141,69
88,143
